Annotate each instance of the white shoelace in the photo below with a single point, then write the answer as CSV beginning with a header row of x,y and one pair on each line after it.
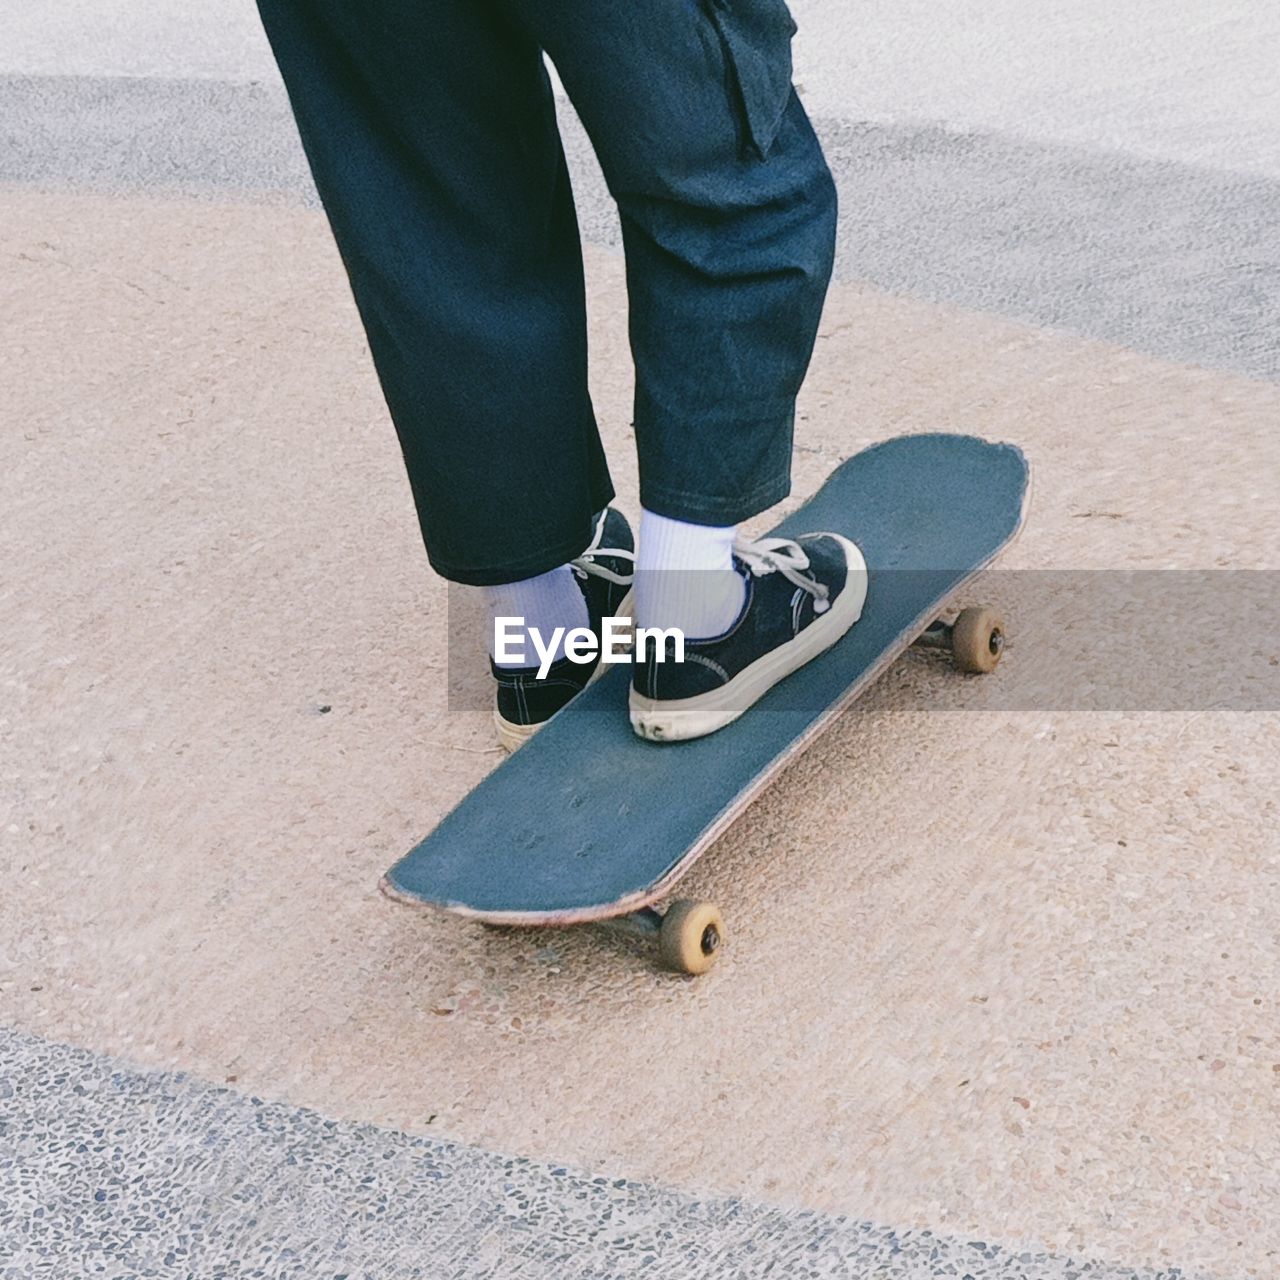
x,y
763,556
585,565
781,555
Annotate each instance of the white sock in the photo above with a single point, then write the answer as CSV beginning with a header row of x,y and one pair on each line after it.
x,y
685,576
548,601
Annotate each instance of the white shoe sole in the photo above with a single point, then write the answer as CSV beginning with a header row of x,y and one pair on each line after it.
x,y
677,720
511,735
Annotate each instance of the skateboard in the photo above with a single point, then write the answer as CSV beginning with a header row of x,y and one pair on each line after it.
x,y
589,822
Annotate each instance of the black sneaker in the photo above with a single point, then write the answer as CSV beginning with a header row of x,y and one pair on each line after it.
x,y
604,571
802,595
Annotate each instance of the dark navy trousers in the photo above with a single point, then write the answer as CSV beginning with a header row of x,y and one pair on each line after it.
x,y
430,129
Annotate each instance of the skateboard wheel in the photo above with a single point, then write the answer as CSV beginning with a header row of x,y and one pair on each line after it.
x,y
977,640
691,936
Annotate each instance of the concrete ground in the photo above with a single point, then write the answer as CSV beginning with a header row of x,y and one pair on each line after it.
x,y
1002,988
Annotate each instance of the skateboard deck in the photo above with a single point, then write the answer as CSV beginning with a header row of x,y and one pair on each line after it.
x,y
588,821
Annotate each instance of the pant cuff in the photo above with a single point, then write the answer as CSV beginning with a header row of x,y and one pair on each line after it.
x,y
718,509
554,549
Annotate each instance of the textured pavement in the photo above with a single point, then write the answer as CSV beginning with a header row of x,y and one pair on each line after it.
x,y
1150,254
164,1175
1193,82
1001,970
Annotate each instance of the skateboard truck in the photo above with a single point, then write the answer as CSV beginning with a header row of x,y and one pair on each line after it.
x,y
975,640
688,934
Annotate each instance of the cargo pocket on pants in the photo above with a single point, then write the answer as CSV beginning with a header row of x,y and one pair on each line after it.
x,y
756,38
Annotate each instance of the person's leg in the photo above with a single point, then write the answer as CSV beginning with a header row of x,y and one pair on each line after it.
x,y
728,215
728,218
430,129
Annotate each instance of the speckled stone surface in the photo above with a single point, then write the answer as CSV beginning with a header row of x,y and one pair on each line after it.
x,y
1046,234
1193,81
999,972
105,1171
